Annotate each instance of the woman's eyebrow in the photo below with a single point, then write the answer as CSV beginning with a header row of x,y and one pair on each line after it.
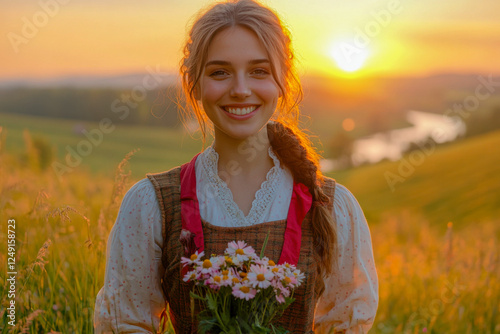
x,y
225,63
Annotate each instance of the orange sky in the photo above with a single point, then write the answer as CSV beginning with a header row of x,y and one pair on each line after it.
x,y
87,37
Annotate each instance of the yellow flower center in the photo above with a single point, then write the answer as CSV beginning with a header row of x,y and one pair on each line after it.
x,y
194,257
225,272
245,289
229,260
271,263
207,264
217,279
275,270
193,276
236,280
261,277
225,277
287,280
243,274
240,251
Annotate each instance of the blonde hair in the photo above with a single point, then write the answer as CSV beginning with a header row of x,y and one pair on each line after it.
x,y
285,131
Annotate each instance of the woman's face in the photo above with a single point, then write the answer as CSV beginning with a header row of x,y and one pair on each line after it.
x,y
237,89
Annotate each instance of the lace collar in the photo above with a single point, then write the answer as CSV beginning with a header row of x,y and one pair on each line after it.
x,y
263,197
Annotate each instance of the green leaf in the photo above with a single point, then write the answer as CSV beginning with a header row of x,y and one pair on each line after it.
x,y
279,330
195,296
288,301
243,324
225,316
205,325
258,329
211,302
265,244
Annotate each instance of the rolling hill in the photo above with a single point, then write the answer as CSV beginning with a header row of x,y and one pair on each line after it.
x,y
457,183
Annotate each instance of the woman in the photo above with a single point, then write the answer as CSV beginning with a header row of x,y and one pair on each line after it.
x,y
260,174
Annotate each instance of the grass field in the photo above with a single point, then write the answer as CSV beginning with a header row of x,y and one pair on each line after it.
x,y
159,149
435,238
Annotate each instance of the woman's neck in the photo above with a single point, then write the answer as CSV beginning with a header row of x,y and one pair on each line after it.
x,y
248,157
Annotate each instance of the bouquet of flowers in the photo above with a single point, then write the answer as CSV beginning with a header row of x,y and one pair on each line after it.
x,y
240,292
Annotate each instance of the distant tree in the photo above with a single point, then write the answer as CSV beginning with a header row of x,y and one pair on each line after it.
x,y
158,108
494,118
341,148
483,121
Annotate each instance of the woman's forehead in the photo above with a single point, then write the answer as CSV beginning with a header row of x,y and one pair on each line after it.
x,y
235,45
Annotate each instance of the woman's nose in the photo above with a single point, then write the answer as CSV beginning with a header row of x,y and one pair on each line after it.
x,y
240,87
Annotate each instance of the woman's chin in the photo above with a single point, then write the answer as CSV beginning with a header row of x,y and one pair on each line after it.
x,y
240,133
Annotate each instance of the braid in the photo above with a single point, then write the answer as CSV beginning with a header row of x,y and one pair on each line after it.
x,y
295,152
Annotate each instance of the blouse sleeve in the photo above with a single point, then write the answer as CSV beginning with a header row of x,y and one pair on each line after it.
x,y
131,299
350,300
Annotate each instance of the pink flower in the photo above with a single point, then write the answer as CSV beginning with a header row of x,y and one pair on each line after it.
x,y
300,276
215,281
290,280
278,272
279,289
209,266
260,276
194,258
280,299
226,278
243,292
263,262
190,276
240,250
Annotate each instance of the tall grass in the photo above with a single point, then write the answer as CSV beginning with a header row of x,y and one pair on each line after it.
x,y
433,278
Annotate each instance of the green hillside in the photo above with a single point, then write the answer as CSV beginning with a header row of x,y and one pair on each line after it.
x,y
159,148
459,182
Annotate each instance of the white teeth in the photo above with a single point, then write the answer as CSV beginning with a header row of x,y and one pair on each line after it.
x,y
241,111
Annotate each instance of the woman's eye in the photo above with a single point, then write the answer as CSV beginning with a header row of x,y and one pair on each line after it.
x,y
218,73
261,72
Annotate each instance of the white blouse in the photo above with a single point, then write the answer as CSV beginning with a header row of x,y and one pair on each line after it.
x,y
131,299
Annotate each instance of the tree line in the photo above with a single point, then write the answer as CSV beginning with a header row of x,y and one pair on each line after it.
x,y
157,107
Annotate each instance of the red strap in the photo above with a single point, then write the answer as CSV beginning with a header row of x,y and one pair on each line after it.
x,y
190,210
299,206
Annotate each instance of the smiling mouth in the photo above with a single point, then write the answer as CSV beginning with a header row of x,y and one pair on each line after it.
x,y
240,111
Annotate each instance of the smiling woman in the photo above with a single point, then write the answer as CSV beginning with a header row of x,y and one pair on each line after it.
x,y
259,177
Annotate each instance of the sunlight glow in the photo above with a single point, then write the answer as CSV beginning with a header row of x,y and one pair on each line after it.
x,y
348,56
348,124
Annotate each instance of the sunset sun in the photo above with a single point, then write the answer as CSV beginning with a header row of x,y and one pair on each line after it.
x,y
348,56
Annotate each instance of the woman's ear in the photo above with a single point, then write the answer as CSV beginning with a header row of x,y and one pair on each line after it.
x,y
197,93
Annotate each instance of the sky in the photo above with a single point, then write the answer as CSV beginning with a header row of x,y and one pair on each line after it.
x,y
55,38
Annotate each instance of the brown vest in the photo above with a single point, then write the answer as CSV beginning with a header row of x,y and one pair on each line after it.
x,y
298,318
